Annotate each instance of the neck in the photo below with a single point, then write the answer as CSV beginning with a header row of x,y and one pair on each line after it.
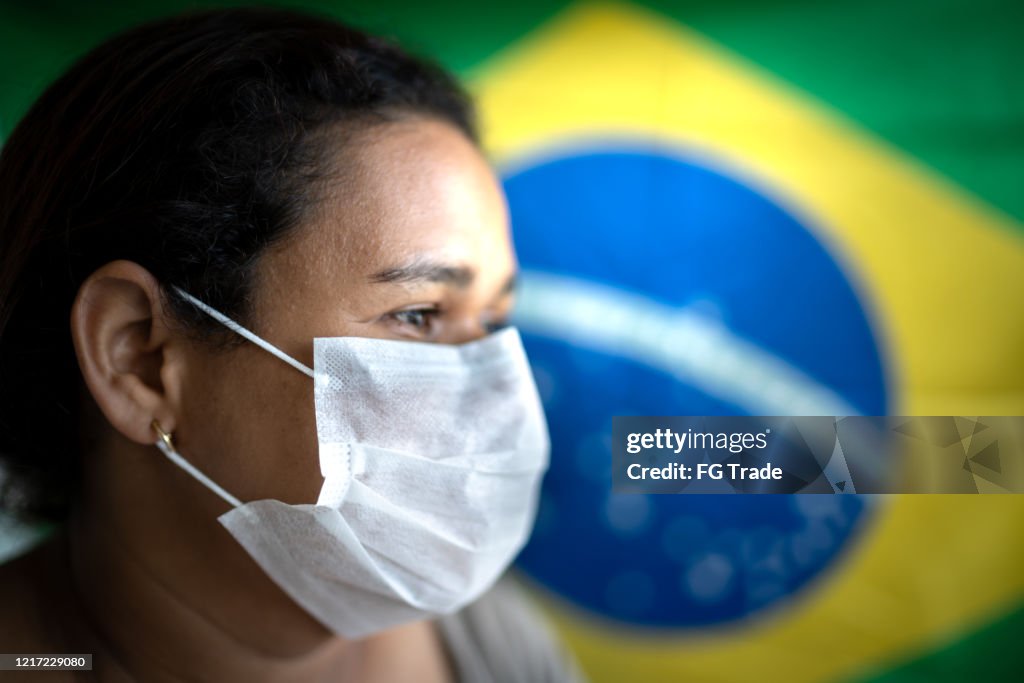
x,y
169,594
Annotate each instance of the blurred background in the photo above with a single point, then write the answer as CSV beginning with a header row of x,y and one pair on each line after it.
x,y
778,207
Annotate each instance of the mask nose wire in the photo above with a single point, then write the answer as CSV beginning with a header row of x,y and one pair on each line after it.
x,y
251,336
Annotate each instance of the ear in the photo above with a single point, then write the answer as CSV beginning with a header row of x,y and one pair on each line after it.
x,y
130,358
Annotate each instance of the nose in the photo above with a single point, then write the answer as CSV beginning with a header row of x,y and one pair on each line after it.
x,y
467,329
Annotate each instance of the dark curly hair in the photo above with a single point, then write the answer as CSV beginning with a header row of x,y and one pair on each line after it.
x,y
187,145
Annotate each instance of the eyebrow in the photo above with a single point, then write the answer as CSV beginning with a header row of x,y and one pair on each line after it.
x,y
430,271
427,271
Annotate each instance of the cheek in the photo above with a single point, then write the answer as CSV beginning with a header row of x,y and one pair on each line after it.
x,y
249,424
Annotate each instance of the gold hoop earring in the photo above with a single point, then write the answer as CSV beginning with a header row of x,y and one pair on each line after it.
x,y
164,436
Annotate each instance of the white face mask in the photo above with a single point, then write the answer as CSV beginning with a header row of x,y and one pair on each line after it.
x,y
432,457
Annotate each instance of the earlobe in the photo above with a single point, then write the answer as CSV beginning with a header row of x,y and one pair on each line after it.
x,y
126,349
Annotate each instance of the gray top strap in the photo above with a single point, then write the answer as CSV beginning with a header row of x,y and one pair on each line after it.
x,y
245,332
502,638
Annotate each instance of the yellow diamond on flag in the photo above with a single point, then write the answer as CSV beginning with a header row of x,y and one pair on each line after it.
x,y
931,265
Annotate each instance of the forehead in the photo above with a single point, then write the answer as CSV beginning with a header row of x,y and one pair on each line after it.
x,y
408,189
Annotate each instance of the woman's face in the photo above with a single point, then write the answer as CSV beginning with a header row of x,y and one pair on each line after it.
x,y
411,242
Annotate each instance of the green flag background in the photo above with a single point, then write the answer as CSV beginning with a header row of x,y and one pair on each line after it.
x,y
916,110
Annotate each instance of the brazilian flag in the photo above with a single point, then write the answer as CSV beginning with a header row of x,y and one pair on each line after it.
x,y
737,207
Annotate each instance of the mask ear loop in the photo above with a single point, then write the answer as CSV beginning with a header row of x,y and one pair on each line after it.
x,y
251,336
166,444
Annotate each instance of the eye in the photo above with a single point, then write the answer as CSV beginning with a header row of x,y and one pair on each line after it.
x,y
417,321
498,317
492,326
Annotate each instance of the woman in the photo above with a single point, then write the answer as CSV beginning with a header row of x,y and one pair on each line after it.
x,y
193,203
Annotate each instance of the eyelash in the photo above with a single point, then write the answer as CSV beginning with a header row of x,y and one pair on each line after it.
x,y
431,313
495,325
